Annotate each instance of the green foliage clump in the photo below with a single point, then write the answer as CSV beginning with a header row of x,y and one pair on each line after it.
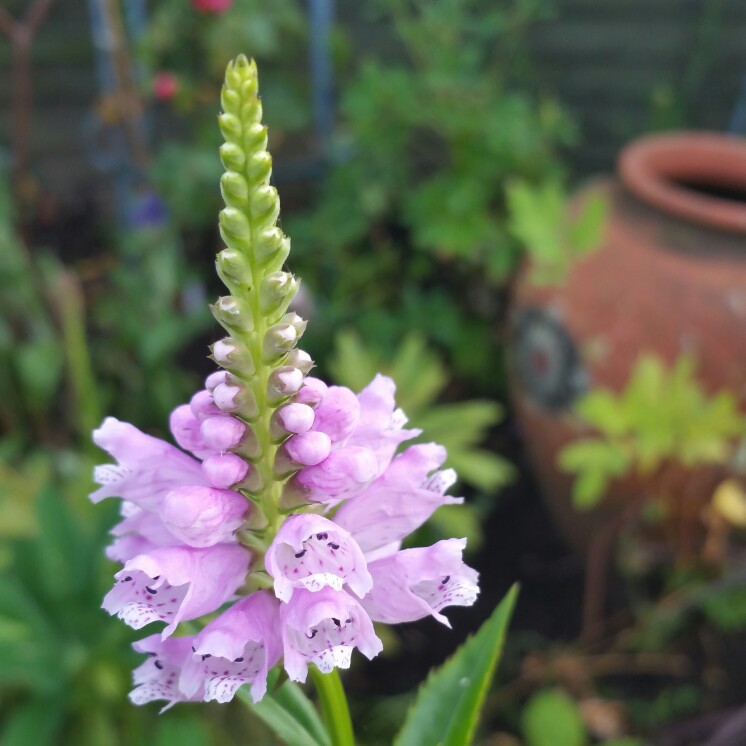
x,y
661,415
539,218
429,139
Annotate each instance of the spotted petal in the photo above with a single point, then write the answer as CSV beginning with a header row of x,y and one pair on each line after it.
x,y
324,628
172,584
239,647
413,583
313,552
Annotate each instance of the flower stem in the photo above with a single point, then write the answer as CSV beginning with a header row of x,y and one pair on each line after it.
x,y
334,707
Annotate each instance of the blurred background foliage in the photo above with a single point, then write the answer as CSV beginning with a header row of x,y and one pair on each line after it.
x,y
447,166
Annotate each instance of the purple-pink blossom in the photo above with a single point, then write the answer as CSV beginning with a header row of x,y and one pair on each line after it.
x,y
335,562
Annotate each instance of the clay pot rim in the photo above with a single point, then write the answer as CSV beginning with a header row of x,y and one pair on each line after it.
x,y
651,166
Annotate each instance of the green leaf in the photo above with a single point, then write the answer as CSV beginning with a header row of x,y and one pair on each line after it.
x,y
448,704
586,232
289,713
551,718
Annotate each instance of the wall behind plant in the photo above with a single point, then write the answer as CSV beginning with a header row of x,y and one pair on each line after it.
x,y
621,69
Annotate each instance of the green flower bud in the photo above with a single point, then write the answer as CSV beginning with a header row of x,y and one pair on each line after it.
x,y
233,268
230,126
254,138
277,291
232,356
230,101
233,314
299,359
259,167
232,156
234,189
235,229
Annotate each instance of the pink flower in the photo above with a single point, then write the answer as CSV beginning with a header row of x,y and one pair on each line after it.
x,y
172,584
158,677
324,628
413,583
147,468
239,647
312,552
203,516
165,85
212,6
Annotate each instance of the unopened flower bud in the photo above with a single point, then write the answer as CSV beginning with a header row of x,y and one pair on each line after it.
x,y
299,359
308,449
233,267
215,379
292,418
312,391
232,156
203,516
235,229
278,340
223,470
228,354
255,137
259,166
272,245
277,290
203,406
223,432
230,126
283,382
234,188
232,313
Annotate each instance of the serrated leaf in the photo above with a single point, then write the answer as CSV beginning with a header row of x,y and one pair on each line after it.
x,y
551,718
289,713
448,704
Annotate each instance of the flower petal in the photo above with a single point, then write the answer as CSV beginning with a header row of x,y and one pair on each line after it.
x,y
323,628
413,583
312,552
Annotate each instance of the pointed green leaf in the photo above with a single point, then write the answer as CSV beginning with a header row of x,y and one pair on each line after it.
x,y
449,702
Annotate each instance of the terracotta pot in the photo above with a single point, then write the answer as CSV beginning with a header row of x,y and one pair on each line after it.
x,y
669,278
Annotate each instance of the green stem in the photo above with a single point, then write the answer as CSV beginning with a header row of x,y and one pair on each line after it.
x,y
334,707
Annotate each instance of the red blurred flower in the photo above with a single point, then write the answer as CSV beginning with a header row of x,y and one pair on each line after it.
x,y
212,6
165,86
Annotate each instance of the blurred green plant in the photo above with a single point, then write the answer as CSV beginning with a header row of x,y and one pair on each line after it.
x,y
661,415
461,427
428,141
539,219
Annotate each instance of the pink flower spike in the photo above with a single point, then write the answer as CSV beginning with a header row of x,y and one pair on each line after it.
x,y
399,501
239,647
157,678
147,468
312,552
323,628
203,516
224,469
172,584
413,583
222,433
